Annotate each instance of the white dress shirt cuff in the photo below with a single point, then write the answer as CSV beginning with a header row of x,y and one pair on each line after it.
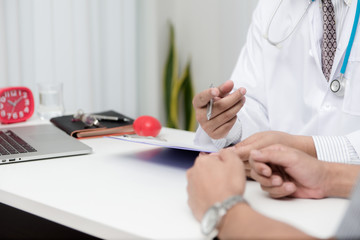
x,y
233,137
335,149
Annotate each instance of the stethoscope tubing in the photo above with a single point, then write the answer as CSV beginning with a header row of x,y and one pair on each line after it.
x,y
351,39
292,31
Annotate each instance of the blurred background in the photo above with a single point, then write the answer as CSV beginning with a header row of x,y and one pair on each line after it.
x,y
110,54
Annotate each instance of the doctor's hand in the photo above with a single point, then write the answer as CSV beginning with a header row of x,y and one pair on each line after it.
x,y
214,178
284,171
264,139
224,110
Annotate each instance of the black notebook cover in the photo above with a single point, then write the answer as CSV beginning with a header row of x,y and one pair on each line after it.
x,y
78,129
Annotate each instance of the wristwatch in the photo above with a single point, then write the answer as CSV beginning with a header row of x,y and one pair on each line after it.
x,y
214,214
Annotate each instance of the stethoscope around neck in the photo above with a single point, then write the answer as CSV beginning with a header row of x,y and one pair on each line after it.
x,y
337,86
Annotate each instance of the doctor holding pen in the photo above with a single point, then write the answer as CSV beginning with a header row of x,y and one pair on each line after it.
x,y
300,73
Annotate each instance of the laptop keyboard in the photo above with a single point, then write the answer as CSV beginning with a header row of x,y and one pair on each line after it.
x,y
10,143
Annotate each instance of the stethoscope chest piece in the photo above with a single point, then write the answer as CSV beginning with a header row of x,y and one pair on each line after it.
x,y
337,86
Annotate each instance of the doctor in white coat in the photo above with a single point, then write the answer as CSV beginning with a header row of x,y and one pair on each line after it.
x,y
288,97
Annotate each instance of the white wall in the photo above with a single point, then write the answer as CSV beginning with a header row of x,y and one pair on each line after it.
x,y
110,53
89,45
210,32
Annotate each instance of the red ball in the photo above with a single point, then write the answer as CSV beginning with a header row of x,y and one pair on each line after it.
x,y
147,126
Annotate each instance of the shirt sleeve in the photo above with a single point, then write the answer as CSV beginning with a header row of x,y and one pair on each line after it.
x,y
349,226
234,136
335,149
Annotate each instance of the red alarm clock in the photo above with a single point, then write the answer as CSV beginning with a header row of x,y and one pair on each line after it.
x,y
16,104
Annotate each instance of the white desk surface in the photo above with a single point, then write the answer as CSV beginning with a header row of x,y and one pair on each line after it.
x,y
121,191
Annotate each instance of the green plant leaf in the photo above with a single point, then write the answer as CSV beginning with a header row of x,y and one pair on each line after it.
x,y
176,89
174,103
188,92
170,75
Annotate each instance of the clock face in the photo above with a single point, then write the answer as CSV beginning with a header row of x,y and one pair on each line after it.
x,y
16,104
210,220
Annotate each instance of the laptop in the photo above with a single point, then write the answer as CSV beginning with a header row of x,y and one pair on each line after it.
x,y
35,142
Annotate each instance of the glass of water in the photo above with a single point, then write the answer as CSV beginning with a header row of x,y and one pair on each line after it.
x,y
50,100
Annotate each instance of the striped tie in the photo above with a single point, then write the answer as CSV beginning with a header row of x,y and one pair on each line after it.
x,y
329,38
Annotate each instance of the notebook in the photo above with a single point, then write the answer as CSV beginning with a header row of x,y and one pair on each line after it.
x,y
19,144
79,129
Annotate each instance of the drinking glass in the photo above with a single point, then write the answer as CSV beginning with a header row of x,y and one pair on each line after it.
x,y
50,100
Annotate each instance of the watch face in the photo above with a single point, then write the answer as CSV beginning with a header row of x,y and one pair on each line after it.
x,y
16,104
210,220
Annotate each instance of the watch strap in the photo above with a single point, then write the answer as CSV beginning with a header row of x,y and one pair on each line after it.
x,y
231,201
221,209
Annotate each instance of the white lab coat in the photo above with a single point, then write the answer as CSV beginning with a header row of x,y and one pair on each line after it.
x,y
286,89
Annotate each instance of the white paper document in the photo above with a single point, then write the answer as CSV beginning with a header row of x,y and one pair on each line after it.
x,y
169,138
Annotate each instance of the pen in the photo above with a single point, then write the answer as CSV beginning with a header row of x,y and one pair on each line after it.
x,y
93,119
209,106
109,118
